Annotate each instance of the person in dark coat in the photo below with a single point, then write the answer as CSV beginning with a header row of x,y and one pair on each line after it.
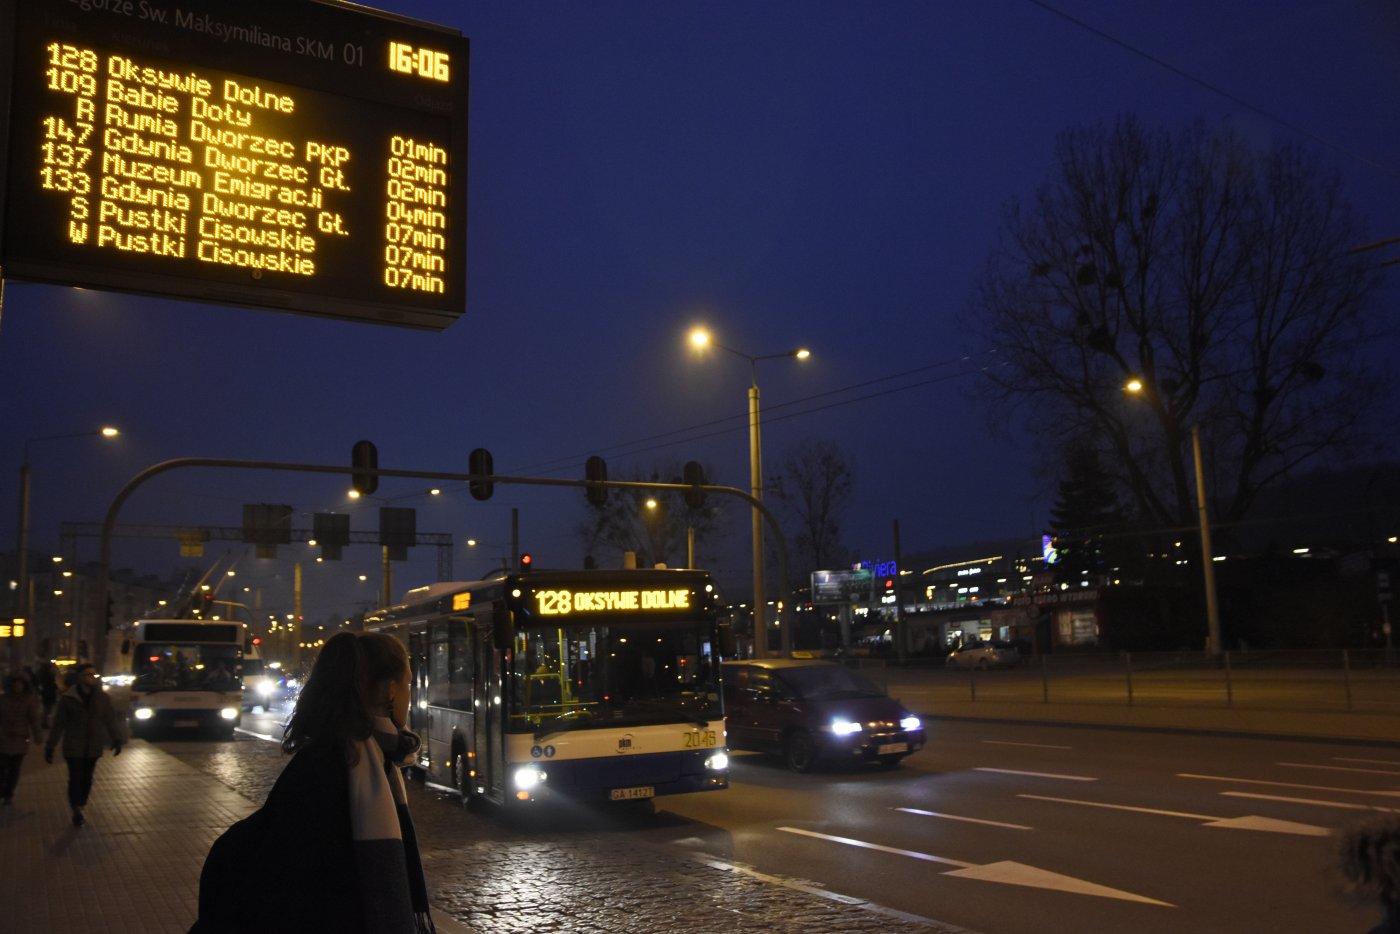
x,y
19,726
86,723
338,809
1370,860
48,690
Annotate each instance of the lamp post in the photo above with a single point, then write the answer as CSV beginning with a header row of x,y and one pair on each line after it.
x,y
22,603
700,338
1213,646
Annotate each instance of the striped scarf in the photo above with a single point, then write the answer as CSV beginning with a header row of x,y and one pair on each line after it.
x,y
394,894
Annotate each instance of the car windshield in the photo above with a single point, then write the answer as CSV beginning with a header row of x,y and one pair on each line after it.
x,y
827,682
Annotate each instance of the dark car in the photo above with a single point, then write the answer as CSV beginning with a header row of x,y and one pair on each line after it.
x,y
813,711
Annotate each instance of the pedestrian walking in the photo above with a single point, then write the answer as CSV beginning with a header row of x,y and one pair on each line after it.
x,y
338,806
19,726
48,690
1370,861
86,723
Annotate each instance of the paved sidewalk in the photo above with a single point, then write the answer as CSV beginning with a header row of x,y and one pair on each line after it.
x,y
134,866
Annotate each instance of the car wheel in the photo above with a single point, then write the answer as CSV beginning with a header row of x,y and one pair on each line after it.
x,y
799,751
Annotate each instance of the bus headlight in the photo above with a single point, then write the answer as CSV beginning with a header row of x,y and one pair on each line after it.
x,y
844,727
528,777
717,762
143,713
229,713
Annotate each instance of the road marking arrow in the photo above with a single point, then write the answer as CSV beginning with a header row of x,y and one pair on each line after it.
x,y
1260,781
1010,873
1005,872
1250,822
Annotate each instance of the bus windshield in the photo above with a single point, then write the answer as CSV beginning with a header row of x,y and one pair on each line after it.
x,y
187,666
576,677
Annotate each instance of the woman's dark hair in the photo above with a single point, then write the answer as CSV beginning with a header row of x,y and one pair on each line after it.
x,y
337,704
24,686
1369,854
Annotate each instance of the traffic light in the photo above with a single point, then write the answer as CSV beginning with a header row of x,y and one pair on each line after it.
x,y
364,458
595,469
479,462
526,561
694,475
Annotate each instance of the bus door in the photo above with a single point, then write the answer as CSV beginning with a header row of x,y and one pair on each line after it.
x,y
418,662
487,691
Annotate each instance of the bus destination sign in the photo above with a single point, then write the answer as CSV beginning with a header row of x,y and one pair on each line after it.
x,y
301,155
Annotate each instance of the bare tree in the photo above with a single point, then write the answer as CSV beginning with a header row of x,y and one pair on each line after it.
x,y
816,486
1217,274
657,534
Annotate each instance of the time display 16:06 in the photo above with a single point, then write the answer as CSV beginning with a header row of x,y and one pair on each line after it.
x,y
425,63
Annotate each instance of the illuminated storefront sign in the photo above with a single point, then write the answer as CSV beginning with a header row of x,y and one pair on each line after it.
x,y
304,156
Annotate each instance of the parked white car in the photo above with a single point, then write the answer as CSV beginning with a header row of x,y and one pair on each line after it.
x,y
984,655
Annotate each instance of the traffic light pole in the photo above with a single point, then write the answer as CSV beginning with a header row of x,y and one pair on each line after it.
x,y
100,623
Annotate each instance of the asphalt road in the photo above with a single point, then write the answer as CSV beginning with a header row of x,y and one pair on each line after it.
x,y
996,828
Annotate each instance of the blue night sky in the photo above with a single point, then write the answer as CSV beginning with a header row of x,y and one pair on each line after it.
x,y
825,174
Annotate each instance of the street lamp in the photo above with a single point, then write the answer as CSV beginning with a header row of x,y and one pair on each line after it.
x,y
22,601
1135,387
700,338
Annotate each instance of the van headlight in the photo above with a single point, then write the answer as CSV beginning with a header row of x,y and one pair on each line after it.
x,y
143,713
229,713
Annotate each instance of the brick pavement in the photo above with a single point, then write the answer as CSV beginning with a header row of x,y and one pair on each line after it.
x,y
152,817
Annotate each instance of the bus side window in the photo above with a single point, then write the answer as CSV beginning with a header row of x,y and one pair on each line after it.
x,y
439,681
459,691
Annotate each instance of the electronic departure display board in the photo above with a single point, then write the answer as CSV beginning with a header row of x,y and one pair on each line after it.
x,y
303,155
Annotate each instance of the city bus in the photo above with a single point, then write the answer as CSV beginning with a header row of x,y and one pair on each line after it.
x,y
178,675
599,685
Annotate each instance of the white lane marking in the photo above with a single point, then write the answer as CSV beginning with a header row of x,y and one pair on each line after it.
x,y
1002,742
1248,822
1005,872
1345,805
1337,768
800,885
1260,781
1067,778
1120,807
912,854
1368,761
969,820
270,739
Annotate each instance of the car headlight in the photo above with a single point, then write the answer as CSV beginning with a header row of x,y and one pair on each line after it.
x,y
229,713
910,723
264,688
844,727
143,713
528,777
718,762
